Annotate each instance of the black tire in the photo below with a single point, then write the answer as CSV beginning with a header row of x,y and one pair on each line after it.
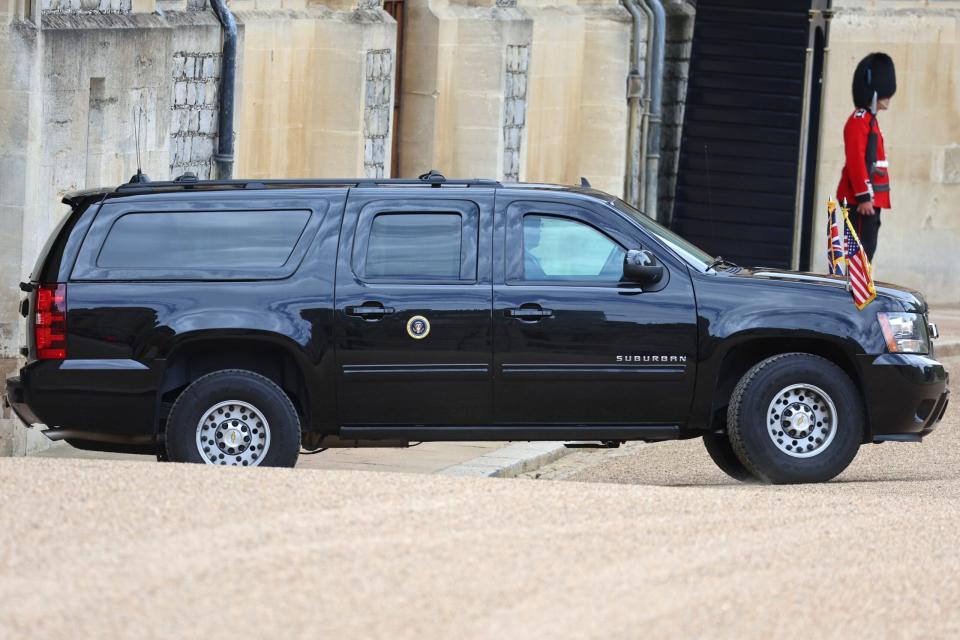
x,y
272,417
721,452
754,434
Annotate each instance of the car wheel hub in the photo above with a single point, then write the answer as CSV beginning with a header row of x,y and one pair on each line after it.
x,y
233,433
802,420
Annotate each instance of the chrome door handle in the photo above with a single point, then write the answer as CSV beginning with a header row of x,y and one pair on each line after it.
x,y
529,313
369,311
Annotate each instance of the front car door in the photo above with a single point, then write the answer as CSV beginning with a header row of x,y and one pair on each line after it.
x,y
413,299
573,343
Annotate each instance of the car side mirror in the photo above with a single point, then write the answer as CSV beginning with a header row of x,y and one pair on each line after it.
x,y
639,265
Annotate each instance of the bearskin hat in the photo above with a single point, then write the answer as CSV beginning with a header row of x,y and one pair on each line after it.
x,y
876,72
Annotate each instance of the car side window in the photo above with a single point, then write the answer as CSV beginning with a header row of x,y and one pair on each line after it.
x,y
557,248
202,239
424,246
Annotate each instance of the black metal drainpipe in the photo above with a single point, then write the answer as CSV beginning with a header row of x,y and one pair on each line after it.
x,y
228,80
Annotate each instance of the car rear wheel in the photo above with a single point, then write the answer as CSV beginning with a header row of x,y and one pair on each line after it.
x,y
794,418
234,417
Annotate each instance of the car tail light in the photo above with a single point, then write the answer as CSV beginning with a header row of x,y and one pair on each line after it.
x,y
50,322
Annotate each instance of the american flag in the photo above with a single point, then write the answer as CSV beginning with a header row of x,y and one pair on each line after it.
x,y
859,274
834,240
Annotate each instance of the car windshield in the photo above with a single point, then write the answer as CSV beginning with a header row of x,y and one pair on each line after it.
x,y
690,253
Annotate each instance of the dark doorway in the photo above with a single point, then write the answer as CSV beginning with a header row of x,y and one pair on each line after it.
x,y
744,184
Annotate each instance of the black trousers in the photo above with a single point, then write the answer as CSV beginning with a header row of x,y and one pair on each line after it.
x,y
868,228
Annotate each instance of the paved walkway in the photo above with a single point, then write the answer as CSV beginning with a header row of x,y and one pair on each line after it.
x,y
429,457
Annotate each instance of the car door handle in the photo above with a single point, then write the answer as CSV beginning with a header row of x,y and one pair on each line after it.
x,y
529,313
369,311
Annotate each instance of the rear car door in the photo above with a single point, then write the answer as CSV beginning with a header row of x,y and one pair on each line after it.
x,y
573,344
413,307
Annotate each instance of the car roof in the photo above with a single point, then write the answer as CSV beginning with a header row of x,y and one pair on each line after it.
x,y
428,181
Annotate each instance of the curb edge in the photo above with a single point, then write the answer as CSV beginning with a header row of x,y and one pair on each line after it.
x,y
509,461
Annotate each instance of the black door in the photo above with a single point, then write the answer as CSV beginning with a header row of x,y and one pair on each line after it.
x,y
413,319
574,345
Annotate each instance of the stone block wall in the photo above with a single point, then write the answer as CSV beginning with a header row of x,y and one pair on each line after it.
x,y
89,6
377,112
514,108
194,112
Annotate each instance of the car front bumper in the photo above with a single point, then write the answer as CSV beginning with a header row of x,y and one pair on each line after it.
x,y
905,395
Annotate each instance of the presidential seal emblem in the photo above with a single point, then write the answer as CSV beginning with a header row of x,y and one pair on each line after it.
x,y
418,327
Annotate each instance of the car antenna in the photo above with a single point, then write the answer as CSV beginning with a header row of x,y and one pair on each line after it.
x,y
140,176
584,182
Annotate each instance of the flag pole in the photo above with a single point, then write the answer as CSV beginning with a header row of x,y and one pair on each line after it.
x,y
829,238
846,265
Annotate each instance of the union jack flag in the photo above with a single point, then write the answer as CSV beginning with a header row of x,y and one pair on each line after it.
x,y
835,254
859,272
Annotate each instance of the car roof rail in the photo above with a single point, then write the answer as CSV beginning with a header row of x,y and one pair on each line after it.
x,y
189,181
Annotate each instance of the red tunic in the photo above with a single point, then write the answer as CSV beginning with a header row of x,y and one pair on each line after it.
x,y
866,174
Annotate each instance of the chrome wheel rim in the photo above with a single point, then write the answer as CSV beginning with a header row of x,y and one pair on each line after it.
x,y
802,420
233,433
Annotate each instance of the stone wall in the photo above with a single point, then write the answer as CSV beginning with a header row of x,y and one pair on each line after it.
x,y
315,90
577,93
921,134
465,68
20,118
452,108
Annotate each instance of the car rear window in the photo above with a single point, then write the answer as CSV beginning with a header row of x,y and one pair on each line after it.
x,y
202,239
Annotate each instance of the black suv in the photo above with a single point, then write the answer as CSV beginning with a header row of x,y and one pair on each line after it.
x,y
237,322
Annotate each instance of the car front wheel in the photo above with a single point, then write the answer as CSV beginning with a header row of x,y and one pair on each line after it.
x,y
794,418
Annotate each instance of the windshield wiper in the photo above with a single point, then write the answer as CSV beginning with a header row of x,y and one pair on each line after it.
x,y
719,261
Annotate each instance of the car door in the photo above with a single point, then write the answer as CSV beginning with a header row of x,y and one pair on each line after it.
x,y
413,308
573,344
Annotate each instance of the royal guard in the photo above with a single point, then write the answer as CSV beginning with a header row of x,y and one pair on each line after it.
x,y
865,181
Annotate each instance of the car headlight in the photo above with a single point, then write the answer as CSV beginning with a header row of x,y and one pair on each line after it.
x,y
904,332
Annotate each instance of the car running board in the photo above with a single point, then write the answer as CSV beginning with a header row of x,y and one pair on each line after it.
x,y
498,433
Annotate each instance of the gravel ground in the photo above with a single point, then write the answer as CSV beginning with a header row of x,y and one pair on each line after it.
x,y
656,542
